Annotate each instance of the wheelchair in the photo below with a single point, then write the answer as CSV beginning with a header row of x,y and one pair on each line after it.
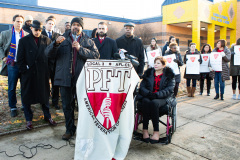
x,y
168,110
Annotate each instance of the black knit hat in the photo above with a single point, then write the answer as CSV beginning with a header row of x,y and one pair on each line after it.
x,y
78,20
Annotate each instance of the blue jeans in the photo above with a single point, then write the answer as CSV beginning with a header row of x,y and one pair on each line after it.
x,y
194,82
29,114
13,75
217,80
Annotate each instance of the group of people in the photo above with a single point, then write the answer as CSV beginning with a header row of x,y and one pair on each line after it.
x,y
35,53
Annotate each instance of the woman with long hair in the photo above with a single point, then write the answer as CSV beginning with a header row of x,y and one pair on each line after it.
x,y
154,46
206,49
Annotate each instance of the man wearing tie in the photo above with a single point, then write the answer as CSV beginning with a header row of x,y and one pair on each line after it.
x,y
48,31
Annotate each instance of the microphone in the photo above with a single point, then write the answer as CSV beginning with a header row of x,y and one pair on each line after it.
x,y
116,56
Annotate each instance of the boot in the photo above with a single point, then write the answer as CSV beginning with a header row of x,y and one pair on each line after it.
x,y
189,90
217,96
193,91
222,97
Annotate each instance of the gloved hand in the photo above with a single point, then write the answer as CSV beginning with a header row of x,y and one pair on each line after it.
x,y
176,60
232,52
199,60
152,96
222,54
210,68
186,59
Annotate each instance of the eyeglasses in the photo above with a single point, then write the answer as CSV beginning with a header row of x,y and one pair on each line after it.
x,y
38,29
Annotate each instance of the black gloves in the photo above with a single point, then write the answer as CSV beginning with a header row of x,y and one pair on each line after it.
x,y
199,60
152,96
186,59
176,61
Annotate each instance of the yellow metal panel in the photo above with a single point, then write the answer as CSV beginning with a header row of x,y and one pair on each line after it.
x,y
196,33
223,33
232,37
211,35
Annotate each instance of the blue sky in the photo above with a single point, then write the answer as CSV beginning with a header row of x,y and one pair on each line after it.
x,y
133,9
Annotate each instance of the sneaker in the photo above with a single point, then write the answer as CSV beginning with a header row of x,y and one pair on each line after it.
x,y
234,96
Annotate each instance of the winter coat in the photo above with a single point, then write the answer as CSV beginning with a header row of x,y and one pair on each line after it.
x,y
62,54
234,69
191,76
179,58
134,46
225,67
33,66
166,85
107,48
165,48
27,28
5,41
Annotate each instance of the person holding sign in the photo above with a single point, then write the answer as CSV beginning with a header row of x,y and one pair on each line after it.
x,y
206,50
235,69
156,90
173,51
153,46
165,47
194,77
221,76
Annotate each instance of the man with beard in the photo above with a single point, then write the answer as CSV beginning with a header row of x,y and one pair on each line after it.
x,y
106,46
48,31
28,22
132,45
33,66
70,53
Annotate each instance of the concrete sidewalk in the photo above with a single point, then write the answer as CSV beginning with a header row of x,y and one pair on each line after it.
x,y
206,129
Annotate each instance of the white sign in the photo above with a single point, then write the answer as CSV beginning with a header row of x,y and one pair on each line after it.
x,y
236,55
216,61
151,56
106,109
193,65
172,64
204,68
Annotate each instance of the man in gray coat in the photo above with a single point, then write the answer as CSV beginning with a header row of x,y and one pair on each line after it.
x,y
70,53
8,53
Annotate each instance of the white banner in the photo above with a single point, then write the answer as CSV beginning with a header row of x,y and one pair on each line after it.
x,y
236,55
106,109
216,61
193,65
151,55
172,64
204,68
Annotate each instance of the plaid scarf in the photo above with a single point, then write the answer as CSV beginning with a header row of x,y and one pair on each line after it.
x,y
12,51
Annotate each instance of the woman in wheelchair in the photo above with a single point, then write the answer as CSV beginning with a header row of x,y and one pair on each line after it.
x,y
156,88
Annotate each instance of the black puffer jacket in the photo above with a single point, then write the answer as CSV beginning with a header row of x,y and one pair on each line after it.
x,y
166,86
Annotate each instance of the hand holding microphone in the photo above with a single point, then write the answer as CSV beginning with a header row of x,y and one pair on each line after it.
x,y
60,39
75,44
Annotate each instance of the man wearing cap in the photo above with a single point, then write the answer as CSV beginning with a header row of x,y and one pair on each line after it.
x,y
33,66
28,22
132,45
48,31
70,53
8,53
106,46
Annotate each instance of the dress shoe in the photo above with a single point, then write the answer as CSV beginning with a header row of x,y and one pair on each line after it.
x,y
29,125
66,136
152,141
146,140
14,113
217,96
50,121
57,107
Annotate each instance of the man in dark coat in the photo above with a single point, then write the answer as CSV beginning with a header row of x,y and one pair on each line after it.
x,y
70,53
33,66
106,46
48,31
132,45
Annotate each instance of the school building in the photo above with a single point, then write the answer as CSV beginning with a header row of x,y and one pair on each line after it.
x,y
199,21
